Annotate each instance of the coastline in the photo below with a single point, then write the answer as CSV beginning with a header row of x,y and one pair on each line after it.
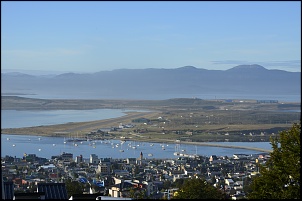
x,y
204,144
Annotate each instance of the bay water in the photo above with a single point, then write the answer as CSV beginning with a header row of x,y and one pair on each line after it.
x,y
29,118
18,145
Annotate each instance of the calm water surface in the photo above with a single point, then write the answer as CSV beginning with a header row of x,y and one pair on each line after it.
x,y
17,145
20,119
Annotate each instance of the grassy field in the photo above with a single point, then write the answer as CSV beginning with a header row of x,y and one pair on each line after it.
x,y
183,119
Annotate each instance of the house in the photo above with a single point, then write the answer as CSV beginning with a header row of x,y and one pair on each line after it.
x,y
229,182
241,156
141,120
188,171
29,196
104,168
85,196
53,190
267,101
213,158
131,161
111,198
212,171
67,156
189,133
7,190
121,173
93,159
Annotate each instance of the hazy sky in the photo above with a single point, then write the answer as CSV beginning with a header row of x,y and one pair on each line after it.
x,y
83,36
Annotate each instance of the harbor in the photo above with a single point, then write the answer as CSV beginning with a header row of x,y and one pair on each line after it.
x,y
17,145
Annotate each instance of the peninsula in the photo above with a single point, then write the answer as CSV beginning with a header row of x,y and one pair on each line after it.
x,y
189,120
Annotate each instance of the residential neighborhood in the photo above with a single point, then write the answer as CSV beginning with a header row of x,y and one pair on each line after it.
x,y
133,178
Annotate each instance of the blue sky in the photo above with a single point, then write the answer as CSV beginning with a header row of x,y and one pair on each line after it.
x,y
83,36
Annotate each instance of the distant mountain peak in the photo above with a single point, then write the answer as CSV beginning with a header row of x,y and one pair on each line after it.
x,y
66,75
248,67
188,68
18,74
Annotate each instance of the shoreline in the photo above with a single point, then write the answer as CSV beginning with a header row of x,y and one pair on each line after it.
x,y
205,144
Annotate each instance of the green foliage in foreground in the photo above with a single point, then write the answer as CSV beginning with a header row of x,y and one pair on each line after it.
x,y
73,187
280,176
198,189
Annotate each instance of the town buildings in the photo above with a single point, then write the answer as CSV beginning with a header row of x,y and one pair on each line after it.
x,y
131,177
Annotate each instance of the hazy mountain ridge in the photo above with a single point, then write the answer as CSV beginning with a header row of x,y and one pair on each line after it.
x,y
142,82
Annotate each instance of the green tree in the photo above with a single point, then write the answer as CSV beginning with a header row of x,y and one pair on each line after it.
x,y
167,184
280,176
198,189
137,193
178,183
73,187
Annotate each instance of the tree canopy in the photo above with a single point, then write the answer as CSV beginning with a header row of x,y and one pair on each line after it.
x,y
198,189
280,176
73,187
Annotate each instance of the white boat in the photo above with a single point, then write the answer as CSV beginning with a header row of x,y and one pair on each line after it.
x,y
14,145
176,153
121,150
7,138
150,154
151,145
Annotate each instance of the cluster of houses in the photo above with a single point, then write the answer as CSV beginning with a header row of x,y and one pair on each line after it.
x,y
126,178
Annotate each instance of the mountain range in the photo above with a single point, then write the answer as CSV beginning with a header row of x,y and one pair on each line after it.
x,y
155,83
